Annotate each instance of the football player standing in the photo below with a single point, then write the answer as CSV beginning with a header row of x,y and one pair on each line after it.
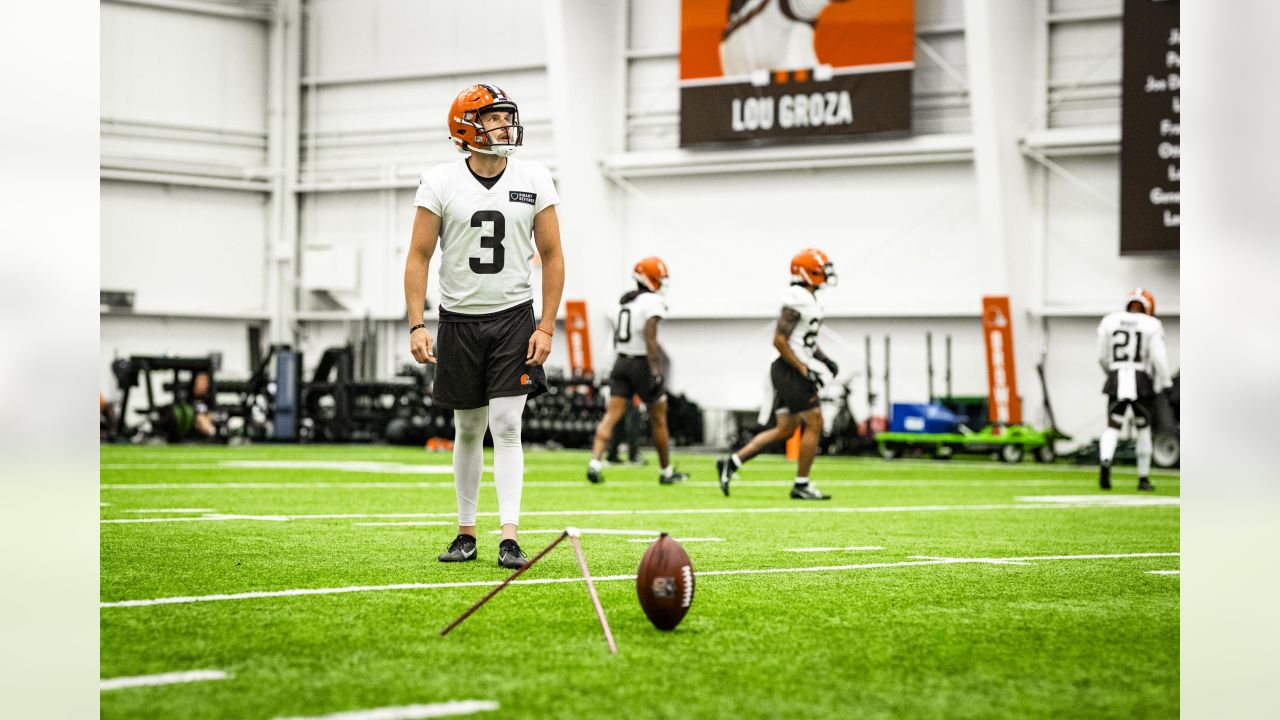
x,y
638,367
488,212
1132,354
795,382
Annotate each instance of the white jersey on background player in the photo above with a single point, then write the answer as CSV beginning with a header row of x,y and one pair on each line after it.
x,y
805,338
1130,343
1132,354
769,35
486,232
632,317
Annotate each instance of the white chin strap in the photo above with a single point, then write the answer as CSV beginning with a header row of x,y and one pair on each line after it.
x,y
499,150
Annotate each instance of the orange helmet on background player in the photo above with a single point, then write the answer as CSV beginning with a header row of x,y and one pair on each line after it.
x,y
812,267
651,272
465,130
1143,297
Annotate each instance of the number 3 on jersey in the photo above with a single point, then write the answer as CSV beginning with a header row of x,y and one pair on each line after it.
x,y
492,242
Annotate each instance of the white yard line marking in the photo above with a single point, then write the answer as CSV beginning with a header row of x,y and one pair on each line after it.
x,y
1164,572
391,485
670,511
990,561
1126,500
592,531
202,518
410,712
441,485
175,510
360,466
835,549
401,524
161,679
683,540
179,600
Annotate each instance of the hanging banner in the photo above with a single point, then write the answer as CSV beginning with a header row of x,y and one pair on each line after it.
x,y
763,72
1151,139
1003,405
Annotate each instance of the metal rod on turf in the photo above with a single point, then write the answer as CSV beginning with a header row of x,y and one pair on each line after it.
x,y
503,584
591,588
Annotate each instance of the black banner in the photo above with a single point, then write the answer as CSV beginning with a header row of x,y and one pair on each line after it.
x,y
1150,148
792,110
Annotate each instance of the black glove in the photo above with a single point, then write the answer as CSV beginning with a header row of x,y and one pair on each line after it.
x,y
656,386
816,379
832,366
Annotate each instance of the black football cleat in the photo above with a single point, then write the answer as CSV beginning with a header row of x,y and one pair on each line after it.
x,y
676,477
808,492
510,555
1145,484
724,471
1104,476
462,549
595,476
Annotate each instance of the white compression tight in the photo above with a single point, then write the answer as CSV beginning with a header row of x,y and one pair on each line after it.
x,y
1144,449
502,417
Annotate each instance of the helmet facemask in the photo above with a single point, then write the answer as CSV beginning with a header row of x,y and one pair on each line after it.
x,y
487,140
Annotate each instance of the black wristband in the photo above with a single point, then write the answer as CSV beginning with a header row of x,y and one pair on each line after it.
x,y
415,327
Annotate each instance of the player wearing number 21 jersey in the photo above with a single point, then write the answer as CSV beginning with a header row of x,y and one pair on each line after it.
x,y
488,213
1132,354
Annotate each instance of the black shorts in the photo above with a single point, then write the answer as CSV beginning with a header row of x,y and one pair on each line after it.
x,y
792,391
481,357
630,376
1143,407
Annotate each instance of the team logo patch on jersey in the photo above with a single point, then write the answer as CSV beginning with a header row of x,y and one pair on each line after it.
x,y
523,197
524,379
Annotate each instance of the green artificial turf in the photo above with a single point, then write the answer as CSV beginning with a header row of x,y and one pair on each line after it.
x,y
1067,638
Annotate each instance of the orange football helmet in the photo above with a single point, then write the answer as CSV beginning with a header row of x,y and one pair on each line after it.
x,y
812,267
651,272
1143,297
466,131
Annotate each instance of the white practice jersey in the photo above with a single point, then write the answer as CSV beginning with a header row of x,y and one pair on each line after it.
x,y
628,336
804,339
1129,343
486,235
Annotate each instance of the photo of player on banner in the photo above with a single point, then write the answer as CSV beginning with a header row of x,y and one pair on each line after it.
x,y
765,71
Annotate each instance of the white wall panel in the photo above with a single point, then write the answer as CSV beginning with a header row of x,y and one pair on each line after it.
x,y
183,69
1082,263
371,36
903,238
1084,64
184,250
357,225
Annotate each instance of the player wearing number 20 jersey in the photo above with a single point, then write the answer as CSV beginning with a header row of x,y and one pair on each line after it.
x,y
638,368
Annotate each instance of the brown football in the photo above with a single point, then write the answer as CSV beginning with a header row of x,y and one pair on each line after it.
x,y
664,583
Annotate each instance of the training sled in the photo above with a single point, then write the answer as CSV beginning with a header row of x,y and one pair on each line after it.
x,y
573,534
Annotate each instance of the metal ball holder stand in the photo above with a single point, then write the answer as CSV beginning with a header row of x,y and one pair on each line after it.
x,y
573,534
